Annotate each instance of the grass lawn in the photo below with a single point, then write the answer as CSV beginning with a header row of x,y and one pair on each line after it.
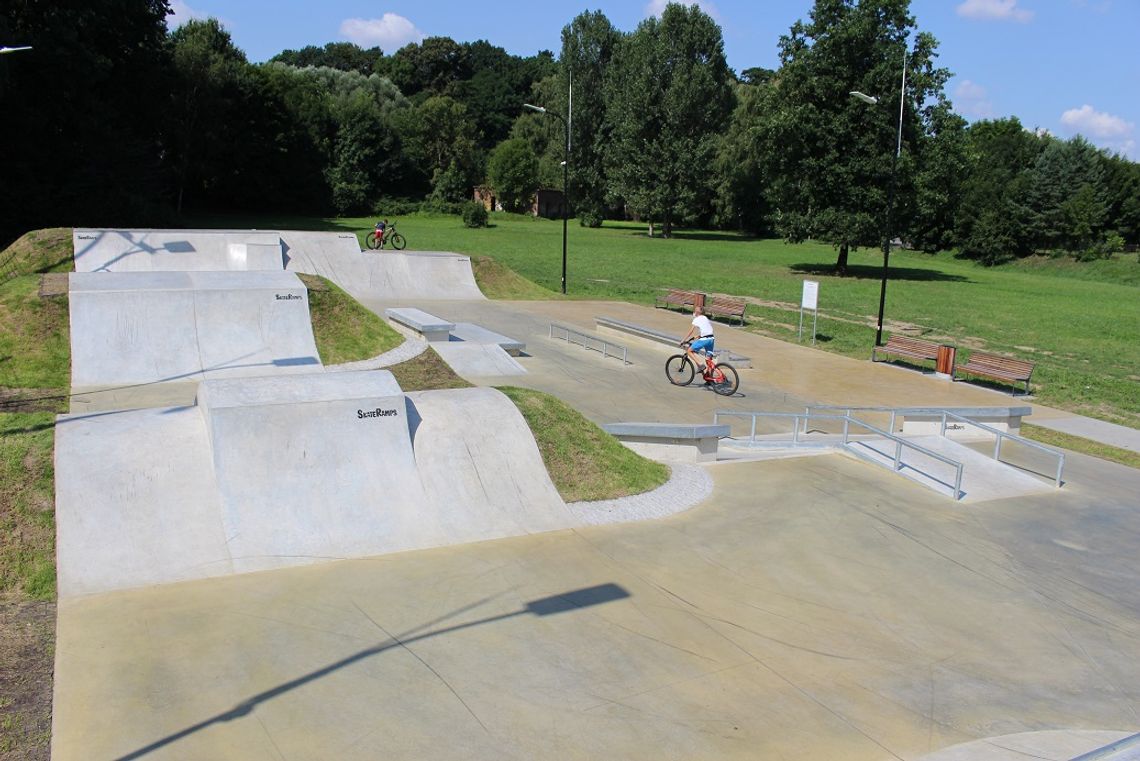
x,y
1078,322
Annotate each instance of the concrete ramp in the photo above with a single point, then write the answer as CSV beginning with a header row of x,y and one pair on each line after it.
x,y
284,471
472,360
380,275
983,478
138,328
110,250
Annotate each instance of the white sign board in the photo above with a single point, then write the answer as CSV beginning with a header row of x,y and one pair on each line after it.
x,y
811,295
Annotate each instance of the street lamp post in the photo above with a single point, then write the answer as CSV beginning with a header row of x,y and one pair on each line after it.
x,y
890,196
565,189
7,49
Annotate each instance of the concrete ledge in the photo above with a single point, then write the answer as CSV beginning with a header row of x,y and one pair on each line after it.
x,y
476,334
428,325
659,336
919,422
670,441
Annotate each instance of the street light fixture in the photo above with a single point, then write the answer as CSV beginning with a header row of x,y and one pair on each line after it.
x,y
7,49
565,191
890,196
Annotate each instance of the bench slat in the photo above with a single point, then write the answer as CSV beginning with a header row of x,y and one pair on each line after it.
x,y
997,367
905,346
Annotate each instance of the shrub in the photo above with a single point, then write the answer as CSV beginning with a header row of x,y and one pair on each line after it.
x,y
590,219
474,214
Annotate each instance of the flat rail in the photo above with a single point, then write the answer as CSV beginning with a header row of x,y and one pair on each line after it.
x,y
585,340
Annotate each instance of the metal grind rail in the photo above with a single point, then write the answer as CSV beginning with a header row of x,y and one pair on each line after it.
x,y
589,342
946,415
848,422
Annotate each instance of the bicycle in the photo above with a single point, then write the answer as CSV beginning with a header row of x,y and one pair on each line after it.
x,y
379,238
721,377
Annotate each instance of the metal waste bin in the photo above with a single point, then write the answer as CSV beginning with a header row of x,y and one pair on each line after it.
x,y
944,364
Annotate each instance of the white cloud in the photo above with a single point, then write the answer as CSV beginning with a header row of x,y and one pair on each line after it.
x,y
1000,10
1105,130
180,13
657,7
391,32
1089,121
972,100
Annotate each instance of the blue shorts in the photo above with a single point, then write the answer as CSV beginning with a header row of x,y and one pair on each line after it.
x,y
703,344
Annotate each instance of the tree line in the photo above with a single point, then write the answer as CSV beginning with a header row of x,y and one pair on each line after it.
x,y
113,119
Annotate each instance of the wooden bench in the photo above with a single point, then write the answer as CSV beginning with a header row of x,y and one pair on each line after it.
x,y
911,348
997,367
725,306
678,298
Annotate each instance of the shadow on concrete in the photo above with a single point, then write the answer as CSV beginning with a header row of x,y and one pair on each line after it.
x,y
546,606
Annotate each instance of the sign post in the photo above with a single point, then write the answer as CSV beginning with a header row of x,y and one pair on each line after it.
x,y
810,300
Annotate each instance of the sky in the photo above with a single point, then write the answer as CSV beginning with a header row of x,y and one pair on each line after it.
x,y
1065,66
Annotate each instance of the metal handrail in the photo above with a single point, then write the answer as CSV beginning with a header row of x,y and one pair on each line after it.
x,y
945,413
848,420
606,347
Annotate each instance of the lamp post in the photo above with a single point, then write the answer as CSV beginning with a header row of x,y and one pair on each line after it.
x,y
565,190
890,195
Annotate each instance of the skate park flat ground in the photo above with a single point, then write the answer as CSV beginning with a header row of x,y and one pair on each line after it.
x,y
811,608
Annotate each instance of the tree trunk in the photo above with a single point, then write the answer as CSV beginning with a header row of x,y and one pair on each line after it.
x,y
651,228
841,262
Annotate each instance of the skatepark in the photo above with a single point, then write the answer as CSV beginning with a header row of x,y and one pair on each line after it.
x,y
263,557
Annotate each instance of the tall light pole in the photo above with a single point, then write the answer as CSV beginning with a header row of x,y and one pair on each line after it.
x,y
890,195
565,190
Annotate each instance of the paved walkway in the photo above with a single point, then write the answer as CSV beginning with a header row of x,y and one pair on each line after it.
x,y
811,608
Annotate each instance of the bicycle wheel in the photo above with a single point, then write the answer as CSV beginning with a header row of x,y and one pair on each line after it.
x,y
725,380
371,240
679,370
397,241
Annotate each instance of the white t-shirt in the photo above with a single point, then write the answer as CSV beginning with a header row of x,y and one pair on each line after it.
x,y
703,325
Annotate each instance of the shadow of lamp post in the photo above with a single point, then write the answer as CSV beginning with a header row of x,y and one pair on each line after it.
x,y
565,191
890,195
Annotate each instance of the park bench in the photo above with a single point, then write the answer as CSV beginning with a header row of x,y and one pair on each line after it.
x,y
679,298
725,306
910,348
997,367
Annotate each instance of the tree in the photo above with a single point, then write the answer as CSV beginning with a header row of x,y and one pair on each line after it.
x,y
989,225
830,156
344,56
513,172
81,113
1064,200
438,133
742,187
588,44
667,98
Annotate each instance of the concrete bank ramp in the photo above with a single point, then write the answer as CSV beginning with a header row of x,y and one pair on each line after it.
x,y
380,275
150,327
271,472
111,250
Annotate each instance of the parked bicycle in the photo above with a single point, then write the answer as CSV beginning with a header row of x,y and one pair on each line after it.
x,y
721,377
383,235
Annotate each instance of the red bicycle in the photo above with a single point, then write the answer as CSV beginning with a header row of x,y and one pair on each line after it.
x,y
721,377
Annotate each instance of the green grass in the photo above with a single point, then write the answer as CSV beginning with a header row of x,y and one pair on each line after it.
x,y
1078,322
344,330
584,462
27,505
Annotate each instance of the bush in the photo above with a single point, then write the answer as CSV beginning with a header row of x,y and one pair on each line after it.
x,y
395,207
474,214
1111,244
590,219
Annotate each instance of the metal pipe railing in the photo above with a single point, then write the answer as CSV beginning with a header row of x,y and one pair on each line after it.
x,y
606,348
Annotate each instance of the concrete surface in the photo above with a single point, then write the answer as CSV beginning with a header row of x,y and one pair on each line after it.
x,y
137,328
812,608
111,250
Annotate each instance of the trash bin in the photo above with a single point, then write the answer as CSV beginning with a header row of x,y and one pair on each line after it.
x,y
698,300
944,364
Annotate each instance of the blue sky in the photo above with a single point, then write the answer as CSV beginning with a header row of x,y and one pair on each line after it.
x,y
1066,66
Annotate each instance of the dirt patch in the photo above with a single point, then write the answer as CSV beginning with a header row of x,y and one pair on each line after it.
x,y
27,659
32,400
53,284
